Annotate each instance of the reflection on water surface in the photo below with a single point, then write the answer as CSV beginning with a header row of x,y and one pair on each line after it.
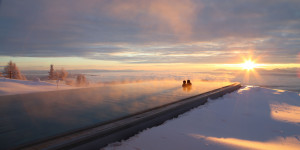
x,y
28,117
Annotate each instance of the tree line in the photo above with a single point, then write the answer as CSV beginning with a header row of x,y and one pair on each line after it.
x,y
11,71
57,74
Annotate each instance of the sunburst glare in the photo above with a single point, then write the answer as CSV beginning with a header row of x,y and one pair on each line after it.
x,y
248,65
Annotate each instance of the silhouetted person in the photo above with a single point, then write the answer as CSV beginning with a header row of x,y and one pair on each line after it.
x,y
189,82
187,86
184,83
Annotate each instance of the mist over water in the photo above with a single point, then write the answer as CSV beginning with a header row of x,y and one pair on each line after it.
x,y
279,78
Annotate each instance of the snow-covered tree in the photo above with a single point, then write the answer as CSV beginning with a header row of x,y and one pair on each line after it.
x,y
81,80
62,74
55,75
12,71
51,73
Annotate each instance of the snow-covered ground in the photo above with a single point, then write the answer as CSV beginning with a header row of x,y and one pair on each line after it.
x,y
11,86
251,118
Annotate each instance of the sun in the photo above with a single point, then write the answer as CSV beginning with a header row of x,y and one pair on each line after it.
x,y
249,64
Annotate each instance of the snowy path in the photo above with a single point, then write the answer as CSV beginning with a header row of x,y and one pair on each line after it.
x,y
251,118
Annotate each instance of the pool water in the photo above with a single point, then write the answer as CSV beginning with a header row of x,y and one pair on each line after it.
x,y
25,118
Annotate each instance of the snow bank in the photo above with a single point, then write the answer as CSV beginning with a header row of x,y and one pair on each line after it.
x,y
251,118
11,86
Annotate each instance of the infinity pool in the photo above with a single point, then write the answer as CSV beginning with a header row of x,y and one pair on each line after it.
x,y
25,118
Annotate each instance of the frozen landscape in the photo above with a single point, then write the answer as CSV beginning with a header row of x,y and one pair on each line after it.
x,y
251,118
71,65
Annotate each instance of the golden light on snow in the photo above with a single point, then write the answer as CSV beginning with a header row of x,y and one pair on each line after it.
x,y
285,112
289,142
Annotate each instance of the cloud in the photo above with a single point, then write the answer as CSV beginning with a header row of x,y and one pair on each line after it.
x,y
142,31
170,16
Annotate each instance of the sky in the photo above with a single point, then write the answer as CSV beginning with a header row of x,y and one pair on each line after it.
x,y
149,35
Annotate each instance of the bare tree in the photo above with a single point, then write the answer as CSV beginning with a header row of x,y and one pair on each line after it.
x,y
12,71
